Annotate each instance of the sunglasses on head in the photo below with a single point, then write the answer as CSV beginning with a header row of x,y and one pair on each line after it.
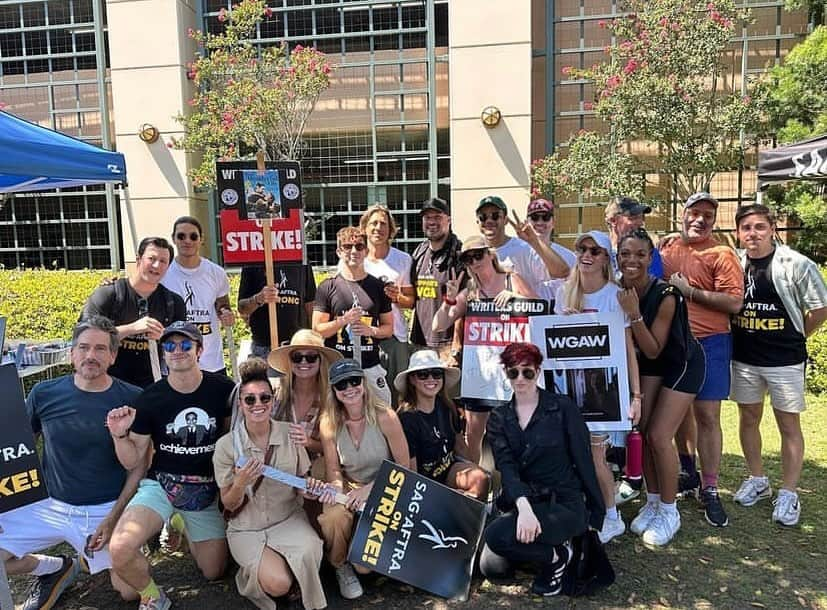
x,y
515,372
169,346
350,381
541,216
297,358
250,399
433,373
183,236
495,216
594,250
472,255
358,246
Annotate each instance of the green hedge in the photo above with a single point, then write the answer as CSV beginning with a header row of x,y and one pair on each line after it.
x,y
41,305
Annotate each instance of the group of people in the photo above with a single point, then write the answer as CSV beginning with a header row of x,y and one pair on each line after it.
x,y
185,453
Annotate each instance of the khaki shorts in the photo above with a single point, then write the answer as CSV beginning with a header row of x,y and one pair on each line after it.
x,y
785,385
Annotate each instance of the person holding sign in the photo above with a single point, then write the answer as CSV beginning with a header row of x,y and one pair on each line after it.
x,y
358,433
549,490
487,280
267,531
591,287
672,370
432,427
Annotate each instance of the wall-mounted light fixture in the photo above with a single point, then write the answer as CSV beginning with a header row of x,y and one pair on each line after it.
x,y
491,116
148,133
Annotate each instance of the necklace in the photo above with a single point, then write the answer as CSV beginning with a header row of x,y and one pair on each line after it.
x,y
355,419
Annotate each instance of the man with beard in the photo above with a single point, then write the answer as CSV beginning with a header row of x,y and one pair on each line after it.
x,y
710,277
88,487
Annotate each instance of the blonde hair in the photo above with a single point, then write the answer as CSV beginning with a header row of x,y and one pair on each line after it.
x,y
473,284
284,394
393,228
333,411
573,288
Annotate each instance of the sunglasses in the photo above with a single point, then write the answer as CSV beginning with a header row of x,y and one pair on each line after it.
x,y
541,216
143,307
495,216
515,372
250,399
358,247
433,373
297,358
594,250
169,346
350,381
472,255
183,236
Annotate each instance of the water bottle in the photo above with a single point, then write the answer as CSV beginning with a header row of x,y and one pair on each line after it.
x,y
634,455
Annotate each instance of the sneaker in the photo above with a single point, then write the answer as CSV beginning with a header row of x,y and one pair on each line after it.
x,y
349,585
172,534
611,528
46,589
624,492
752,490
644,518
549,581
662,528
787,509
155,603
713,509
688,484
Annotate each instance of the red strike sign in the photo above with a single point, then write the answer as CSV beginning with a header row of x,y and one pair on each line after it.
x,y
496,332
243,240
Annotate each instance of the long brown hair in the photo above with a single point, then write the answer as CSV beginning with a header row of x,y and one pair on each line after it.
x,y
283,408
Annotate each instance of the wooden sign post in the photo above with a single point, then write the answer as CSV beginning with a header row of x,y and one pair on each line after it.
x,y
267,229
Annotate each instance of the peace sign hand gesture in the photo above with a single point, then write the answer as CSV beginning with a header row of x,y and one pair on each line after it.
x,y
523,229
452,285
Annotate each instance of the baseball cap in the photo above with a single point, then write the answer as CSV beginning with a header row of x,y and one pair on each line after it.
x,y
698,197
344,369
631,207
434,203
494,200
187,329
475,242
599,237
540,205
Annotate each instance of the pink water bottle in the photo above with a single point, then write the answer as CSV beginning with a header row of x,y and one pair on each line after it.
x,y
634,455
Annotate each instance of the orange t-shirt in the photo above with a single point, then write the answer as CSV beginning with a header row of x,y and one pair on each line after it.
x,y
708,265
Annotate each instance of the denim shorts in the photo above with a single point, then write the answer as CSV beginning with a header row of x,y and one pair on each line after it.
x,y
718,352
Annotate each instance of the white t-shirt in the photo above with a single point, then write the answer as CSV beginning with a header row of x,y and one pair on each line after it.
x,y
396,268
200,287
566,254
604,299
517,256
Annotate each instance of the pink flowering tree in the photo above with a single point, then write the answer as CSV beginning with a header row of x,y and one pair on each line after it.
x,y
670,106
248,98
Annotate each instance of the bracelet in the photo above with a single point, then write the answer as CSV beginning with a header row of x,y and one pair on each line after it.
x,y
120,436
255,300
637,395
692,294
448,301
636,320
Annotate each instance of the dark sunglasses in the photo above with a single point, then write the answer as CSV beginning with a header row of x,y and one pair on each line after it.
x,y
472,255
358,247
297,358
515,372
541,216
350,381
143,306
433,373
183,236
495,216
169,346
594,250
250,399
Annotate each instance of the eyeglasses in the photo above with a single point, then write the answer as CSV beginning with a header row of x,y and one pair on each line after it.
x,y
433,373
515,372
183,236
250,399
358,247
297,358
472,255
541,216
495,216
350,381
169,346
594,250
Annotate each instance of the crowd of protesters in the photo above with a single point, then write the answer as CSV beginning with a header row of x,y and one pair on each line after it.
x,y
129,452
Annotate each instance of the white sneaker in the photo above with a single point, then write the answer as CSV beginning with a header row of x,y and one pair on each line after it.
x,y
625,492
787,509
644,518
662,528
611,528
349,585
752,490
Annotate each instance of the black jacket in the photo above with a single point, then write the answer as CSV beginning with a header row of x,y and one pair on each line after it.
x,y
551,456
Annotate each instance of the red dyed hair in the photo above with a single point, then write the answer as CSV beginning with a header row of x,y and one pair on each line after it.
x,y
519,353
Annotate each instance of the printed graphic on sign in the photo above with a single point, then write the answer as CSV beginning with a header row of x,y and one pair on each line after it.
x,y
595,391
577,342
262,194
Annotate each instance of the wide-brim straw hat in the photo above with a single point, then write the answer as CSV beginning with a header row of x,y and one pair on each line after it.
x,y
304,339
422,360
475,242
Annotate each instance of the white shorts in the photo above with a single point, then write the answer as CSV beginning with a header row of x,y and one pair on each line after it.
x,y
375,376
785,385
38,526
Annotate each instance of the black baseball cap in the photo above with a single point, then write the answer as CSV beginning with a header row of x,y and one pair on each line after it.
x,y
494,200
434,203
631,207
344,369
187,329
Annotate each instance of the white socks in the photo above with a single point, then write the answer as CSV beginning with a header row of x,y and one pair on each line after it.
x,y
46,564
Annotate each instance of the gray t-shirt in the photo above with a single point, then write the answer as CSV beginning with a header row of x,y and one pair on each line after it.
x,y
79,461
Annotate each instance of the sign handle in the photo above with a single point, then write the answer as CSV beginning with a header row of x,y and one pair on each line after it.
x,y
231,349
266,230
153,360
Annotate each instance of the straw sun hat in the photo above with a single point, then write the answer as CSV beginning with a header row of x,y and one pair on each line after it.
x,y
304,339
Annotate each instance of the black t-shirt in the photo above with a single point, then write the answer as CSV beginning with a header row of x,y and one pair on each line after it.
x,y
120,303
762,332
431,437
184,427
337,295
429,273
296,287
680,343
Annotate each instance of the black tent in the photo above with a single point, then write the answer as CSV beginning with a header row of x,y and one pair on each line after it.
x,y
805,160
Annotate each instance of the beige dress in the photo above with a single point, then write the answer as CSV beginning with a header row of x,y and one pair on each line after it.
x,y
274,518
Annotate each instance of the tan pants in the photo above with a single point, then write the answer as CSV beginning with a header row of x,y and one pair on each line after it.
x,y
336,522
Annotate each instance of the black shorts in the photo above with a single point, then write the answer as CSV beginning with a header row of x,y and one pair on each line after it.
x,y
690,377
